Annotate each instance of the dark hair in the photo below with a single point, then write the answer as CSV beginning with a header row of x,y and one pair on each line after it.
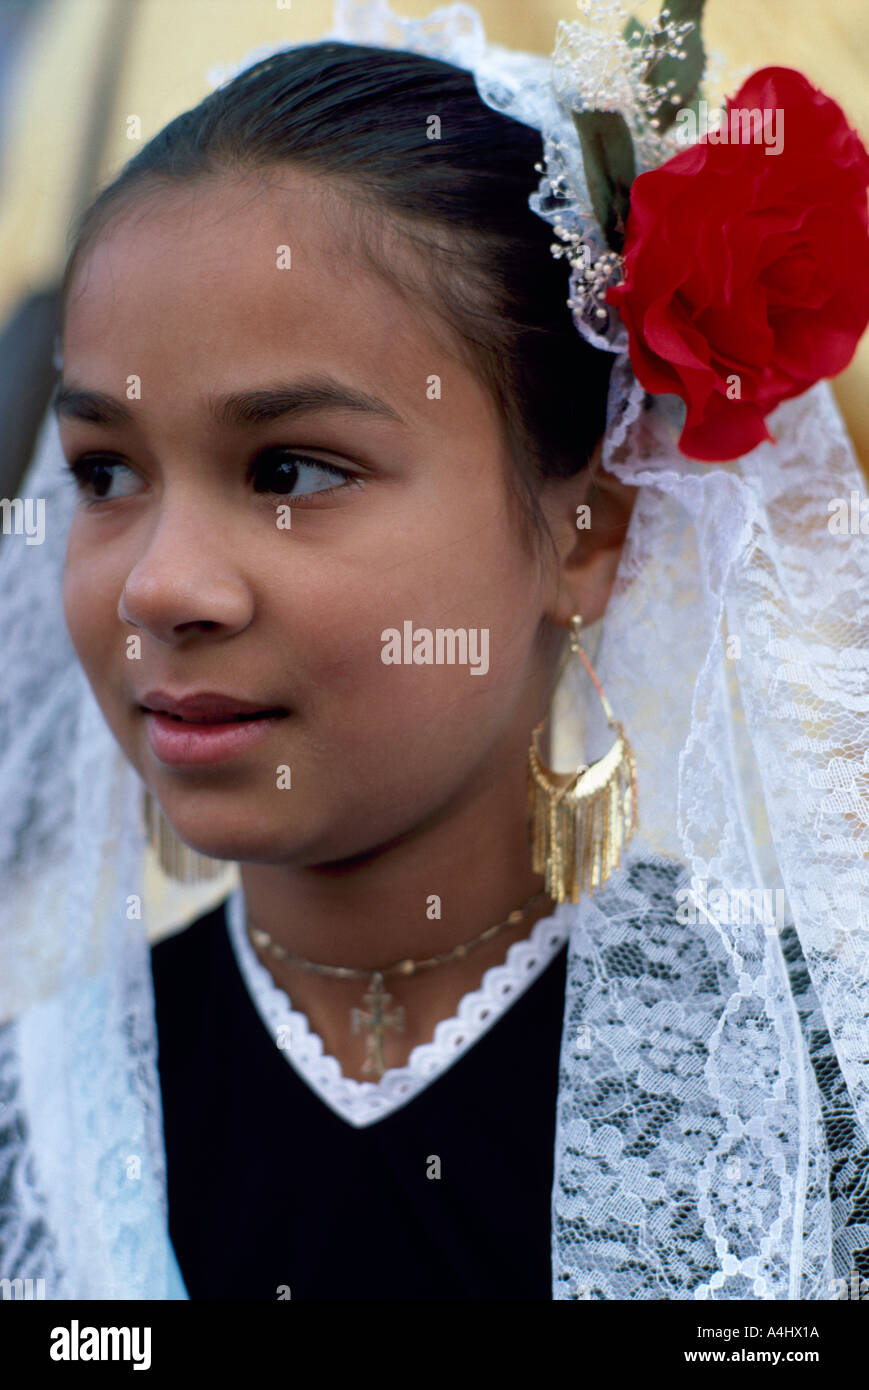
x,y
362,115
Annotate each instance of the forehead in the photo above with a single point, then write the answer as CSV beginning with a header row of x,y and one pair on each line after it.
x,y
191,285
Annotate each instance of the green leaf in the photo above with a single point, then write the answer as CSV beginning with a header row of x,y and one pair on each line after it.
x,y
685,72
608,160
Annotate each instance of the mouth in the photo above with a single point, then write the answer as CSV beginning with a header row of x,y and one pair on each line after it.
x,y
220,719
194,742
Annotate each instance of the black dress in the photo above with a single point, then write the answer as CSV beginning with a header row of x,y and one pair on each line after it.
x,y
273,1195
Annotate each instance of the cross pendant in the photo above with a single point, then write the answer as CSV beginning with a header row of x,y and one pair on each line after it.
x,y
375,1020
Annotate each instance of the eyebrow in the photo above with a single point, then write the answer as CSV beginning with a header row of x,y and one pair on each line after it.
x,y
239,409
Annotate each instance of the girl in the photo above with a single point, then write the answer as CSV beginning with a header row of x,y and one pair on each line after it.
x,y
341,523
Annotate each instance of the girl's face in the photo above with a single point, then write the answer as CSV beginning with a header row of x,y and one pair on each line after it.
x,y
290,463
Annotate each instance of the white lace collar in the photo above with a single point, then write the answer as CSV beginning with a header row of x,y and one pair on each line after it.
x,y
362,1103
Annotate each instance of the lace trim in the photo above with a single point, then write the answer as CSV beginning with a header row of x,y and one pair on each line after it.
x,y
362,1103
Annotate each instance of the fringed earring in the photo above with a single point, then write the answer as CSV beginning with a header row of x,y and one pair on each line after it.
x,y
580,821
177,860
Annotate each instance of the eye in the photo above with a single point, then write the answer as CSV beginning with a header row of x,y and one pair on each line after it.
x,y
279,471
287,473
93,475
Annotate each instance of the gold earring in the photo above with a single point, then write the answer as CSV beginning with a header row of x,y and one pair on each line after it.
x,y
580,821
177,860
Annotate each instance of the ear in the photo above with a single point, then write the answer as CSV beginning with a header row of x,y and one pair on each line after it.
x,y
588,517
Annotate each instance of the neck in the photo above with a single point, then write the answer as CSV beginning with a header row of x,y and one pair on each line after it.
x,y
417,896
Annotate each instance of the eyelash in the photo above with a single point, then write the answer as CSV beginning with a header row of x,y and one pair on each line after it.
x,y
77,471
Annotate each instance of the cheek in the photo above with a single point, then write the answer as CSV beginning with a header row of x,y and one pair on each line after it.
x,y
92,585
90,602
334,647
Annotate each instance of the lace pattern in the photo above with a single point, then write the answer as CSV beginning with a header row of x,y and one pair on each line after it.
x,y
25,1236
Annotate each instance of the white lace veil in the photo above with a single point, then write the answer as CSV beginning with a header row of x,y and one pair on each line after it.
x,y
713,1105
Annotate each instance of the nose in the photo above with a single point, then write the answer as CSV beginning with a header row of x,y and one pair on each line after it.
x,y
186,578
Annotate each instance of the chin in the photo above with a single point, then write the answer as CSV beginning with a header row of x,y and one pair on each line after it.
x,y
247,842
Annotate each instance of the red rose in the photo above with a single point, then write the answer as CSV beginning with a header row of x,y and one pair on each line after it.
x,y
750,266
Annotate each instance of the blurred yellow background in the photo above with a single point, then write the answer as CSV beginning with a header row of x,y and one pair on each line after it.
x,y
164,50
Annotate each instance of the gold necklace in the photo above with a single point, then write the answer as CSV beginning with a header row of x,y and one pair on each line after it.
x,y
378,1016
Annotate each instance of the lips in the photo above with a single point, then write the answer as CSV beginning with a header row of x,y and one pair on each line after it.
x,y
219,719
207,707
